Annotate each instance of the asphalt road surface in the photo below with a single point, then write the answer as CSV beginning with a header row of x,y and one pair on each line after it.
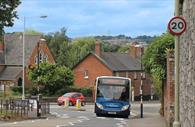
x,y
73,118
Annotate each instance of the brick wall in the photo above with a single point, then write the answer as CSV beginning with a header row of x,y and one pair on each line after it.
x,y
169,89
94,69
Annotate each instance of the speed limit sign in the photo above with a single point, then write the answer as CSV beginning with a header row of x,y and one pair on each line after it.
x,y
177,25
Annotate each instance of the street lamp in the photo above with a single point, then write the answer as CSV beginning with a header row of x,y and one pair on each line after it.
x,y
23,59
141,84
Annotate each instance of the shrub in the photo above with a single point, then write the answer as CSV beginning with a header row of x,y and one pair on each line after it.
x,y
17,89
86,92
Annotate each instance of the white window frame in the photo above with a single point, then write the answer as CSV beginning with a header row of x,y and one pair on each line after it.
x,y
86,74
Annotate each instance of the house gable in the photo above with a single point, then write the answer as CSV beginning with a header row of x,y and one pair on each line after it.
x,y
93,67
43,48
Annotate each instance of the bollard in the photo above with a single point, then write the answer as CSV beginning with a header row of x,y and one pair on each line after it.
x,y
66,103
78,104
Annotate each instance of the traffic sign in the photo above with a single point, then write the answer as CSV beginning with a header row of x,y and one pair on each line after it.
x,y
177,25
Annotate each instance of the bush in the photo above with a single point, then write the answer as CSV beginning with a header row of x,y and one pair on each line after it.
x,y
17,89
86,92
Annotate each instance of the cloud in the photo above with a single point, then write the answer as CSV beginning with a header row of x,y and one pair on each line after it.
x,y
87,17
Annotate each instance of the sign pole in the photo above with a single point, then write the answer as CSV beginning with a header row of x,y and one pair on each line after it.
x,y
176,122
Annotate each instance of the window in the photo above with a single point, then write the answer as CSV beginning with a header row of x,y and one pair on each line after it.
x,y
126,74
41,56
36,59
117,73
20,82
143,75
45,59
86,74
135,76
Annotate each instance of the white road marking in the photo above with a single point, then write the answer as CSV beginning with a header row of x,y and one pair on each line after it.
x,y
119,125
71,123
65,116
119,119
60,125
83,118
124,122
101,118
79,121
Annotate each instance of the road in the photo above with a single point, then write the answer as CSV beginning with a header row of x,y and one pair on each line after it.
x,y
73,118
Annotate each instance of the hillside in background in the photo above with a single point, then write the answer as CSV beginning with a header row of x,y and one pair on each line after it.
x,y
122,39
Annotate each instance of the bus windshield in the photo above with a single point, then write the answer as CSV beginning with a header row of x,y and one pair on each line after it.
x,y
113,92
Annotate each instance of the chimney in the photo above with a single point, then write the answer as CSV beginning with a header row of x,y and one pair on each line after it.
x,y
136,50
133,51
1,47
98,48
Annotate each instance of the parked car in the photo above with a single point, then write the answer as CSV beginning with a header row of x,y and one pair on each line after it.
x,y
72,97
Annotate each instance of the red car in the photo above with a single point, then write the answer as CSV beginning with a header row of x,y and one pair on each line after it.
x,y
72,97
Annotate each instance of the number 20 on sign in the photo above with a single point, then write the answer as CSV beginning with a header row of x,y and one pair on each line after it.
x,y
177,25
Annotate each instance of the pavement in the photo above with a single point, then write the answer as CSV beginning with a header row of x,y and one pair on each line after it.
x,y
156,121
151,116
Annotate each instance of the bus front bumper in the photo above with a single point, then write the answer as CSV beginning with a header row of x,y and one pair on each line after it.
x,y
112,112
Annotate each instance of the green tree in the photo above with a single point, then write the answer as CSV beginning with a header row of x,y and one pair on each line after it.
x,y
32,32
7,14
154,59
66,52
79,48
51,77
124,49
56,41
108,47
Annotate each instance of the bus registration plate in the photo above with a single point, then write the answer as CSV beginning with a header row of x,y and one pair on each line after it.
x,y
112,113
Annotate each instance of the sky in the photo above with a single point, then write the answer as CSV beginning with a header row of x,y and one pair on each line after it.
x,y
95,17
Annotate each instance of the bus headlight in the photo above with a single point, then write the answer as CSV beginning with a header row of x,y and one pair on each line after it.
x,y
125,107
99,106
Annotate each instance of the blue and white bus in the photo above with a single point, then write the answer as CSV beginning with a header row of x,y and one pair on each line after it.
x,y
112,96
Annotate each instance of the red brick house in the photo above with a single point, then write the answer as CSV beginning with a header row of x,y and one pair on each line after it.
x,y
111,64
11,57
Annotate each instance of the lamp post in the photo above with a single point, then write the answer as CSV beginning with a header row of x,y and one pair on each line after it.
x,y
23,59
38,96
141,86
141,83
